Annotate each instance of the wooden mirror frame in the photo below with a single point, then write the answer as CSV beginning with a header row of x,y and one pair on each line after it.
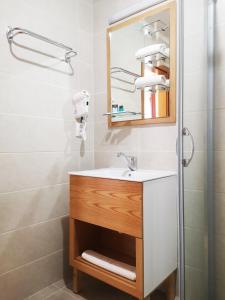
x,y
171,6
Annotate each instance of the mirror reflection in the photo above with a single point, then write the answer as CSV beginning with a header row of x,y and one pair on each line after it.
x,y
139,68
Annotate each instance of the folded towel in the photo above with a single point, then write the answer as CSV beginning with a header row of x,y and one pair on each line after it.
x,y
149,81
150,50
110,264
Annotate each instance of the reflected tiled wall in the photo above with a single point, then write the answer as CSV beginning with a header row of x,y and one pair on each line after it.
x,y
37,142
153,145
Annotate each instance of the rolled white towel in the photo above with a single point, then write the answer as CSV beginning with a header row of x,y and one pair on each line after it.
x,y
167,82
149,81
110,264
150,50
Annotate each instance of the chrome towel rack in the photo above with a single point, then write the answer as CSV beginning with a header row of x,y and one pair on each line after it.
x,y
14,31
121,70
131,82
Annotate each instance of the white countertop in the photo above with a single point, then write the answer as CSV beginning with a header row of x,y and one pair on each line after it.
x,y
125,174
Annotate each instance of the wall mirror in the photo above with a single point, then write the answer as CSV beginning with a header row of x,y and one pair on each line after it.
x,y
141,63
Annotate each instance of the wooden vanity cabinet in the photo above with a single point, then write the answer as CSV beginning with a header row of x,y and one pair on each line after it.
x,y
133,222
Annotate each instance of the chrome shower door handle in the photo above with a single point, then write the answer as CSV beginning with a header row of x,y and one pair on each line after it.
x,y
187,161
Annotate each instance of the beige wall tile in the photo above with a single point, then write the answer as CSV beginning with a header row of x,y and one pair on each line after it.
x,y
196,122
194,284
30,278
194,89
24,208
220,46
100,100
31,170
220,255
37,134
86,43
220,289
160,160
50,101
194,18
219,89
23,246
115,139
198,290
194,178
194,248
220,8
194,208
219,171
157,138
194,60
110,159
219,130
85,16
220,213
100,63
102,11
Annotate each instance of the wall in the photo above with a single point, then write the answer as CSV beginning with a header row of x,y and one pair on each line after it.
x,y
37,141
219,116
153,145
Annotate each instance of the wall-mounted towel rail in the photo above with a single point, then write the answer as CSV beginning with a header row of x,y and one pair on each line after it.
x,y
121,70
131,82
155,27
12,32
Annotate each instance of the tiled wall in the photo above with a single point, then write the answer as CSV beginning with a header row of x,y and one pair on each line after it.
x,y
153,145
220,151
37,141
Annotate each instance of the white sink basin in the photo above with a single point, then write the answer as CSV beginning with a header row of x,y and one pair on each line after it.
x,y
125,174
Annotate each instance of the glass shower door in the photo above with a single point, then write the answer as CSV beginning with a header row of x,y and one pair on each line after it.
x,y
195,149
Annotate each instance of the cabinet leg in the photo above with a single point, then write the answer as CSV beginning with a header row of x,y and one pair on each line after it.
x,y
171,287
76,281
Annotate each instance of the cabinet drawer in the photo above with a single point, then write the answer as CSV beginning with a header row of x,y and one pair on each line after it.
x,y
114,204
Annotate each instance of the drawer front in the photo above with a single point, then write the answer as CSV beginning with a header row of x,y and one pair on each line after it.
x,y
114,204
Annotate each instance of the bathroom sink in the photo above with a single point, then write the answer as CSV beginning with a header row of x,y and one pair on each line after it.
x,y
125,174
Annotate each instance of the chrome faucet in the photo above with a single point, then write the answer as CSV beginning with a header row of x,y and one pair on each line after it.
x,y
131,161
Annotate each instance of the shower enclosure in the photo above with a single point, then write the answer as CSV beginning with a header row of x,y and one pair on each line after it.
x,y
195,147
